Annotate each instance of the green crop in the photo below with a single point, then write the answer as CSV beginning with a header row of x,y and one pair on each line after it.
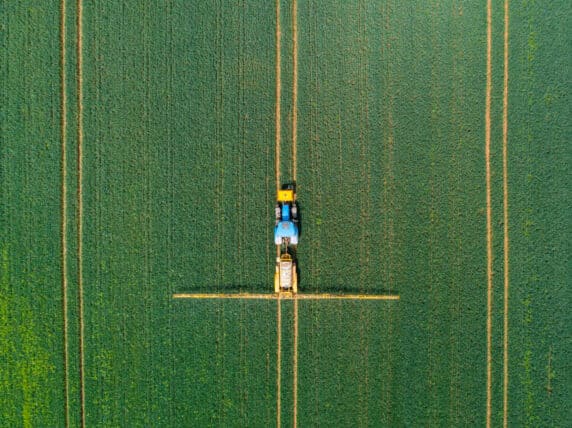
x,y
137,160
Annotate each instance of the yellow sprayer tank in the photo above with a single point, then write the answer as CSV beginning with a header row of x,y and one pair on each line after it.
x,y
285,278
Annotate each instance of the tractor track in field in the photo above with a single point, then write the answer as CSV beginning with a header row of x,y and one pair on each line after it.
x,y
64,208
295,365
506,241
278,95
278,360
147,275
244,276
278,125
489,236
80,207
505,215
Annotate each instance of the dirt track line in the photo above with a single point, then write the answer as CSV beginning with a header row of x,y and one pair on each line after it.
x,y
294,92
278,360
278,96
489,211
64,212
295,367
80,204
505,215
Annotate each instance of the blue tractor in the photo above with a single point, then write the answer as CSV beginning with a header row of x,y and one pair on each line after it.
x,y
286,229
286,233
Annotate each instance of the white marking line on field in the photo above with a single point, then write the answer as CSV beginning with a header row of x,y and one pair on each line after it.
x,y
294,92
64,212
505,215
489,211
80,204
278,96
278,360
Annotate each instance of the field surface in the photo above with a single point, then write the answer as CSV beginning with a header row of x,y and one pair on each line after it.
x,y
141,146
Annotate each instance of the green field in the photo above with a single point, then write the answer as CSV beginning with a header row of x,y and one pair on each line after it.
x,y
137,160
